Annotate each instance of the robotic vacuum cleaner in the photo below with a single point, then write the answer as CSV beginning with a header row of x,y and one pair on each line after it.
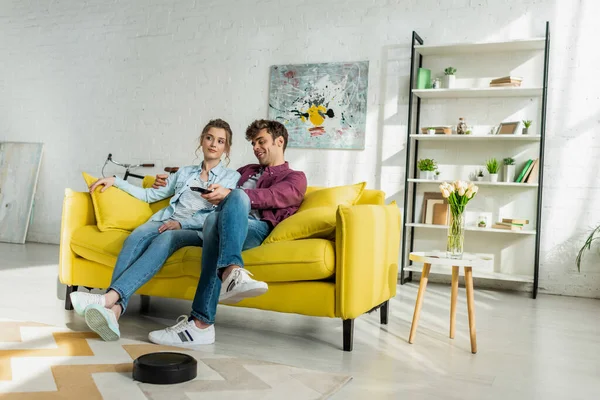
x,y
165,368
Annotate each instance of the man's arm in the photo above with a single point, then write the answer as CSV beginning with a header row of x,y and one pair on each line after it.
x,y
287,193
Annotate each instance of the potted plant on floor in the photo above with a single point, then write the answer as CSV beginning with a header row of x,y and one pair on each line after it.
x,y
492,168
526,123
426,167
509,169
449,77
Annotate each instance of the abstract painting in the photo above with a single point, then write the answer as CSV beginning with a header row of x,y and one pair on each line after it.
x,y
322,106
19,169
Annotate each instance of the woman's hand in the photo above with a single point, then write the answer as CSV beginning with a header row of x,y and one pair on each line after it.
x,y
161,181
218,193
106,182
170,225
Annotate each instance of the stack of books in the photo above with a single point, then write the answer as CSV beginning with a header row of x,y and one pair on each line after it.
x,y
511,224
506,81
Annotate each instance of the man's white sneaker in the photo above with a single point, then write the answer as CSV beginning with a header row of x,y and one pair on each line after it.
x,y
81,300
102,321
183,334
239,286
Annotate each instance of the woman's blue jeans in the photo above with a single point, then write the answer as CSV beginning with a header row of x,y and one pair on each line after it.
x,y
143,254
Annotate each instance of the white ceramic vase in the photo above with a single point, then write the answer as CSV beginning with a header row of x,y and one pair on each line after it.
x,y
449,81
425,175
509,173
493,178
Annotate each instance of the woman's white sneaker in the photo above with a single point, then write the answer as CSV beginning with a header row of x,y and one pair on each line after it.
x,y
184,333
239,286
81,300
102,321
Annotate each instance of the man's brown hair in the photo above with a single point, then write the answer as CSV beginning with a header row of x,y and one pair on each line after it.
x,y
275,129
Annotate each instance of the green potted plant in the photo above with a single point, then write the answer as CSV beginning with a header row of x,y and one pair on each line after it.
x,y
526,124
479,175
426,167
436,175
449,77
595,235
508,170
492,167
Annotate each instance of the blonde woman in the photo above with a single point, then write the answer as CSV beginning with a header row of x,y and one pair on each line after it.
x,y
175,226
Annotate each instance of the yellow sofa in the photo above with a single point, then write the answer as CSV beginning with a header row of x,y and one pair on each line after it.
x,y
344,278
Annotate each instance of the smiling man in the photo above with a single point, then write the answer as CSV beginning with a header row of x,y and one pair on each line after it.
x,y
267,193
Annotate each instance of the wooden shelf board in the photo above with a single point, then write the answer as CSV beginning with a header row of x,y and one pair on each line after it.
x,y
466,138
462,48
477,92
475,229
483,183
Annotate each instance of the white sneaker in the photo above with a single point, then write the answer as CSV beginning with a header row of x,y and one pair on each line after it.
x,y
81,300
183,334
239,286
102,321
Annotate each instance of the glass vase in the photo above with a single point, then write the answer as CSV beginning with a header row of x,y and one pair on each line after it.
x,y
456,234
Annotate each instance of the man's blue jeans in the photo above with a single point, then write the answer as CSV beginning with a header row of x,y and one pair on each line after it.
x,y
227,232
143,255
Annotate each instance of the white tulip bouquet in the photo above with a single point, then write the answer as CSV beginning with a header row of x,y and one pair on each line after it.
x,y
458,193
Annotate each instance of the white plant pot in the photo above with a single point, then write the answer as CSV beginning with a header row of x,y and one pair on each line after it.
x,y
431,131
449,81
509,173
425,174
494,178
479,178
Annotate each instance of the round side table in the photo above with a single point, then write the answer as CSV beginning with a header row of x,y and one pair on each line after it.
x,y
437,257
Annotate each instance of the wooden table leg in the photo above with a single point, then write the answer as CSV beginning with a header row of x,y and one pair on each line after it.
x,y
453,296
471,307
419,303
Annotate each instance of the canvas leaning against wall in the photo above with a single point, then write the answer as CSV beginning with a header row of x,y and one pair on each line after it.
x,y
322,106
19,169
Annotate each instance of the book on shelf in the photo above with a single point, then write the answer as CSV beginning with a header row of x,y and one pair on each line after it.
x,y
519,221
507,79
533,175
524,171
508,227
508,84
529,169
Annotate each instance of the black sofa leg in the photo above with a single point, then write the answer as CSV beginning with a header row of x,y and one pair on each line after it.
x,y
145,305
348,334
70,289
384,310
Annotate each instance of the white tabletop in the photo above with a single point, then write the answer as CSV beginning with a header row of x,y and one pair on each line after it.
x,y
439,257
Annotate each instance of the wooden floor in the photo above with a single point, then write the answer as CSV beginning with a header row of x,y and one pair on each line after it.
x,y
547,348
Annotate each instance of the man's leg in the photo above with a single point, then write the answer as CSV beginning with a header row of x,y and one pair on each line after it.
x,y
224,234
237,283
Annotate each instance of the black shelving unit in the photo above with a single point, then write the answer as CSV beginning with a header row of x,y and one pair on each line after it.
x,y
412,148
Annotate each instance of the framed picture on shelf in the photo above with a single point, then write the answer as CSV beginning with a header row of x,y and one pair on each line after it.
x,y
431,203
508,128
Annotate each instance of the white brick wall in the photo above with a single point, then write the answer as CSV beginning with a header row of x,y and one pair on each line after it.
x,y
140,78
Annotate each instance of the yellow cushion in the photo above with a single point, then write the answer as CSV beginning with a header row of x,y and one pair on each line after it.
x,y
318,222
300,260
333,197
116,209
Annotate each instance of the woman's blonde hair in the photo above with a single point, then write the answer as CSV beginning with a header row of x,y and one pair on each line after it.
x,y
218,123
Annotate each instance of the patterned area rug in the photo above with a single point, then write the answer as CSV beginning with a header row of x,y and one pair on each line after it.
x,y
39,361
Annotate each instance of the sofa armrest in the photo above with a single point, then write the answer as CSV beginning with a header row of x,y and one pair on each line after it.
x,y
367,249
77,211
